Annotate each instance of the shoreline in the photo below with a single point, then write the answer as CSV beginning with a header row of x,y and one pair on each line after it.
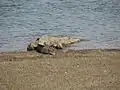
x,y
67,50
71,70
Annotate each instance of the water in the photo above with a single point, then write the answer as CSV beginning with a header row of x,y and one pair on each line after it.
x,y
22,21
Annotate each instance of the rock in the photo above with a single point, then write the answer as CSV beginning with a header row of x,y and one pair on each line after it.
x,y
45,49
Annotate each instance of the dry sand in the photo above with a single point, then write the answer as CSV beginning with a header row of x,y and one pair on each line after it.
x,y
73,70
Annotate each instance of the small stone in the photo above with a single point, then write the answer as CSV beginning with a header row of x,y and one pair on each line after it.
x,y
105,71
66,72
78,66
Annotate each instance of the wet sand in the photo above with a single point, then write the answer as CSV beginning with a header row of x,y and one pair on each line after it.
x,y
71,70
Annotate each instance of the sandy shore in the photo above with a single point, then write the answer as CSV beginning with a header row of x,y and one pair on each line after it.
x,y
73,70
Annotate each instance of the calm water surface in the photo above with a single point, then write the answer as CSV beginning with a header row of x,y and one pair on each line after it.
x,y
22,21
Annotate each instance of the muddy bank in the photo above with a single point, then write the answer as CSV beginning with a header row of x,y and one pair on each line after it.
x,y
71,70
